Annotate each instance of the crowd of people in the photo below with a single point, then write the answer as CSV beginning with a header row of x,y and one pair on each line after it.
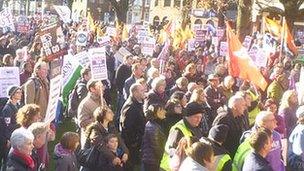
x,y
184,114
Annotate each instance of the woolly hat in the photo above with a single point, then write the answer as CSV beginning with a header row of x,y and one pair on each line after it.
x,y
12,90
193,108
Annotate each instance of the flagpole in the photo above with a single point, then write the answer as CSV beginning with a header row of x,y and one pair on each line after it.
x,y
282,41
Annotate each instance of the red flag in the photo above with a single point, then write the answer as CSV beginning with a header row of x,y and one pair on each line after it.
x,y
240,64
289,44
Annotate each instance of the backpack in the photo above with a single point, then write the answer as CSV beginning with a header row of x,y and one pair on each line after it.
x,y
74,100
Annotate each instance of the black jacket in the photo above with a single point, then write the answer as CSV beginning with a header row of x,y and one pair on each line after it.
x,y
15,163
170,120
132,122
9,113
123,72
153,143
234,132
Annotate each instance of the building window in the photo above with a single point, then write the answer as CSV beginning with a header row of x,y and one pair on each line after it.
x,y
167,3
148,2
177,3
184,2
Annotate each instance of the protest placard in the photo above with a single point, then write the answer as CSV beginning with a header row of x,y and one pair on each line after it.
x,y
103,41
111,31
23,25
223,48
147,47
253,51
260,58
83,58
220,33
82,38
191,44
64,12
9,76
6,19
98,64
55,88
53,42
68,68
200,34
121,53
247,42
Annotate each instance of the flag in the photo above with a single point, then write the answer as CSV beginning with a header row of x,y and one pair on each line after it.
x,y
289,44
163,55
273,27
240,64
70,73
125,33
91,22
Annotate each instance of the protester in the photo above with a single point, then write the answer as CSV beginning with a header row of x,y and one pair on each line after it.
x,y
200,157
236,108
65,152
173,114
39,130
154,138
19,157
36,89
88,105
137,73
261,142
287,110
188,126
132,123
295,149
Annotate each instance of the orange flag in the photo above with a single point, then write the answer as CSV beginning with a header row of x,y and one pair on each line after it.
x,y
273,27
289,41
239,62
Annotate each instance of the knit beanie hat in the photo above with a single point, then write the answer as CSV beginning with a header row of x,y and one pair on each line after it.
x,y
12,90
193,108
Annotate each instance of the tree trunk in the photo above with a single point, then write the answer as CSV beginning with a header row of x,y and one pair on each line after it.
x,y
243,25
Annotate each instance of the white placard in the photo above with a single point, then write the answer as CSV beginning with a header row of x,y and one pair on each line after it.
x,y
82,38
111,31
147,47
261,58
64,12
98,64
83,58
55,88
191,44
223,48
6,19
103,41
121,53
9,76
247,42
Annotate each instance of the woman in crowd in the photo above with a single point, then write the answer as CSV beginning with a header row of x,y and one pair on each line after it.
x,y
200,158
181,97
287,110
173,114
97,132
28,114
19,158
154,138
271,106
64,151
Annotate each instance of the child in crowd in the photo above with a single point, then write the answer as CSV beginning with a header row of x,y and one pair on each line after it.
x,y
117,164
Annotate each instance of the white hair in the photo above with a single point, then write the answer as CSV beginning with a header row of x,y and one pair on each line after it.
x,y
20,137
158,81
38,128
152,71
134,88
233,100
261,117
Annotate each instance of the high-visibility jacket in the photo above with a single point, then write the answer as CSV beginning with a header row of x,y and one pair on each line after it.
x,y
240,155
253,113
221,160
164,164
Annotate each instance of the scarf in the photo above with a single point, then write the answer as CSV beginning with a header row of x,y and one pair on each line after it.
x,y
25,158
